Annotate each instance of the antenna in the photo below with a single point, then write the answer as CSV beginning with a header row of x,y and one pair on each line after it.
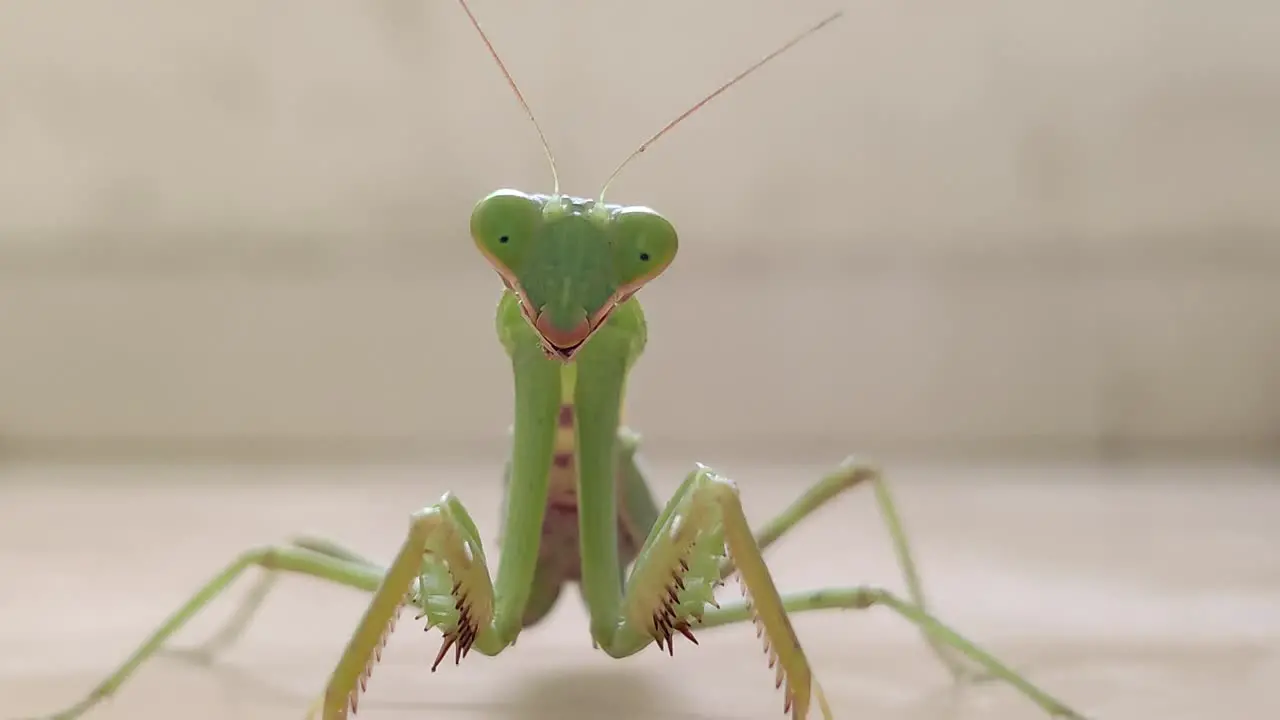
x,y
758,64
546,148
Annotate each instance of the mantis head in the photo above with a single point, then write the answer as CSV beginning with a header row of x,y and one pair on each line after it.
x,y
570,261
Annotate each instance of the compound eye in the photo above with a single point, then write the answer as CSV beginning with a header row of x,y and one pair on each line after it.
x,y
644,244
503,226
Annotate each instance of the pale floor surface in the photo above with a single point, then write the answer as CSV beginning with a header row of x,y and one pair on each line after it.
x,y
1135,595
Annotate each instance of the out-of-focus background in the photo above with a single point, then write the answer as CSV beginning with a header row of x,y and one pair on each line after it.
x,y
991,234
986,227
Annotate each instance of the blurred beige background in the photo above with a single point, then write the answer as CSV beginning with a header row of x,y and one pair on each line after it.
x,y
945,228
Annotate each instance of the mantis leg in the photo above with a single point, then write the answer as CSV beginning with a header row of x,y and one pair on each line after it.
x,y
861,598
288,559
676,572
682,561
244,614
848,475
441,569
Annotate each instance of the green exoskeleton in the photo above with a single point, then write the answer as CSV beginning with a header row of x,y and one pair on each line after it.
x,y
577,508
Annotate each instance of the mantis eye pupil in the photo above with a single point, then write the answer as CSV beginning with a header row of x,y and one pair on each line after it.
x,y
503,239
644,256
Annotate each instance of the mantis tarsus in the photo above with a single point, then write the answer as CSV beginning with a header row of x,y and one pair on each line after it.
x,y
577,508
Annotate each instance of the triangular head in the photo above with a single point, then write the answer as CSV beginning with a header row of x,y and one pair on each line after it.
x,y
570,261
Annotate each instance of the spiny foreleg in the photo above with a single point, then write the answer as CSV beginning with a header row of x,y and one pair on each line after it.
x,y
676,574
440,569
703,529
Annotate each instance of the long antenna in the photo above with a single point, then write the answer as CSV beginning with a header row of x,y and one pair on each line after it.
x,y
785,47
546,148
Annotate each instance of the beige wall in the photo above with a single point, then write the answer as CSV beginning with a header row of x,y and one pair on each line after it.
x,y
936,226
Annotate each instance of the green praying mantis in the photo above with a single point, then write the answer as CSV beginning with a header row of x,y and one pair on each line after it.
x,y
577,508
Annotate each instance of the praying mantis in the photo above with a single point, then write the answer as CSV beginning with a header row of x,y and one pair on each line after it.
x,y
577,507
